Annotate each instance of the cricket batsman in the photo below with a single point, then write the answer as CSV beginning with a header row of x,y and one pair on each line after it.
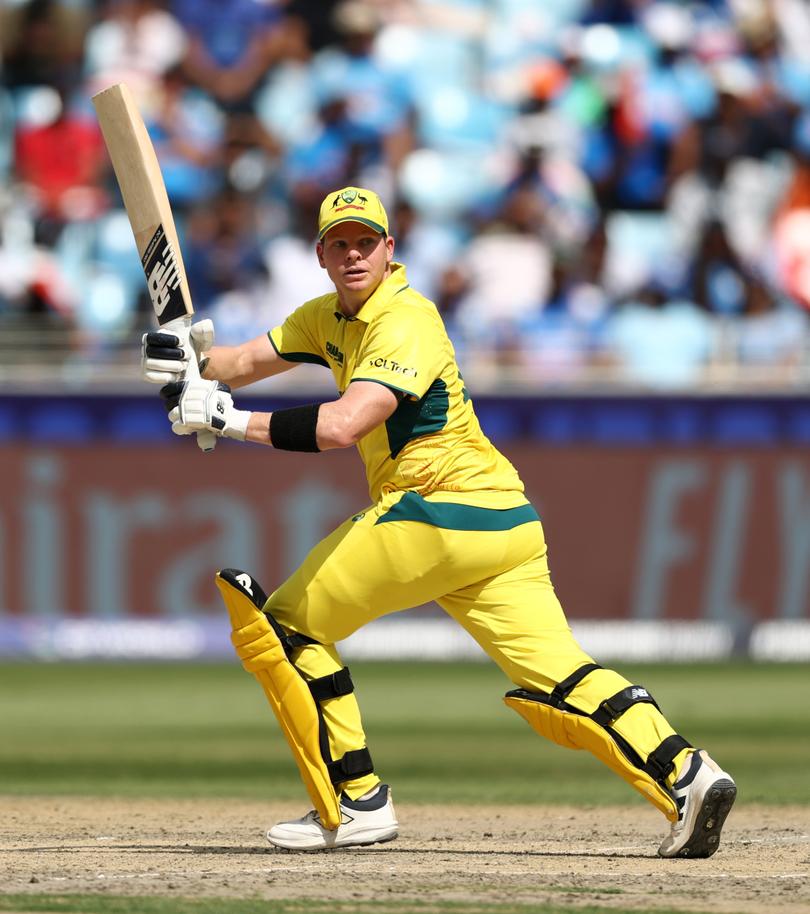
x,y
448,522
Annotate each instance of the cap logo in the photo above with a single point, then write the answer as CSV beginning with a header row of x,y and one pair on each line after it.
x,y
352,204
349,197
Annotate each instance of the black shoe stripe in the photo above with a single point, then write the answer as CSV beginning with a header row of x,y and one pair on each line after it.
x,y
695,763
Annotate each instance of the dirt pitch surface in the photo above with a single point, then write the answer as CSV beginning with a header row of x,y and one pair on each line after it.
x,y
534,855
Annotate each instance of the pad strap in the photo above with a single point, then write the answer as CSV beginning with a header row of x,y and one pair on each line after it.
x,y
289,640
661,761
293,640
356,763
332,686
617,704
562,690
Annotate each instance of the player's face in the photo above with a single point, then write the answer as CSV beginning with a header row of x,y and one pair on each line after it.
x,y
357,260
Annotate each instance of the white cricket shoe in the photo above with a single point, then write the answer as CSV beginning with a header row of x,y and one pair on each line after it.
x,y
369,821
704,794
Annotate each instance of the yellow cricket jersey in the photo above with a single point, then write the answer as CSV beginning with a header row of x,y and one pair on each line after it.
x,y
432,444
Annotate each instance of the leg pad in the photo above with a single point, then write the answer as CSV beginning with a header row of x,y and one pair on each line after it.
x,y
264,649
557,720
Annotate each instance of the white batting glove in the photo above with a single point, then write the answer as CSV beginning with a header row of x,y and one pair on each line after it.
x,y
165,356
198,405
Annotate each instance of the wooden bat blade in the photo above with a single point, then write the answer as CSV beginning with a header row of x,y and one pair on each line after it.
x,y
147,204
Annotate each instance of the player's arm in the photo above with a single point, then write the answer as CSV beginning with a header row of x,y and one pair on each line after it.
x,y
165,357
238,366
207,405
336,424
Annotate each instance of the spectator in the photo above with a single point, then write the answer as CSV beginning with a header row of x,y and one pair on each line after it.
x,y
508,271
233,44
294,274
59,159
770,334
791,224
42,45
718,280
222,252
660,344
136,42
427,246
188,133
586,150
318,20
371,103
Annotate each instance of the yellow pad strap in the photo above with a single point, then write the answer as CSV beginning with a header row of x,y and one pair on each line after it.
x,y
575,731
262,654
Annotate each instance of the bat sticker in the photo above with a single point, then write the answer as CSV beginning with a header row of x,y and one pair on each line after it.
x,y
163,278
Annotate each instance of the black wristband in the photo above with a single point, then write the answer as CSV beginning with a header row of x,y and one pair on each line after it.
x,y
294,429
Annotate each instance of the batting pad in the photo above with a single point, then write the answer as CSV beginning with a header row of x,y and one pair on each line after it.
x,y
577,731
262,654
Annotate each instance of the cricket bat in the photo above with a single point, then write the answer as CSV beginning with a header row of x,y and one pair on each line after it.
x,y
147,204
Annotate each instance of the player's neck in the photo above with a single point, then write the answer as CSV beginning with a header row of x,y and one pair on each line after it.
x,y
350,303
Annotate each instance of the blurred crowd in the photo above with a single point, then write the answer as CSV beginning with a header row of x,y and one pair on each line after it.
x,y
584,187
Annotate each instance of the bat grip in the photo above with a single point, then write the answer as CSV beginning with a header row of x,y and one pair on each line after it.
x,y
206,441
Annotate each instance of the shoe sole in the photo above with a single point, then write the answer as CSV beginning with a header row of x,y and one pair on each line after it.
x,y
716,805
314,848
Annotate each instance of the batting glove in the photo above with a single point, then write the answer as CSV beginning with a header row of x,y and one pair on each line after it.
x,y
195,406
165,356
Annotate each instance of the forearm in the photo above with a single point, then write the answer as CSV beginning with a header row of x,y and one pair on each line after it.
x,y
228,364
321,427
238,366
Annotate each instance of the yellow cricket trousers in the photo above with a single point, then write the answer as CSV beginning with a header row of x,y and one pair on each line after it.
x,y
486,567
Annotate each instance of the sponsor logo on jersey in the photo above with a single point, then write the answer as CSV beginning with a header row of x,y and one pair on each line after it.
x,y
391,365
334,352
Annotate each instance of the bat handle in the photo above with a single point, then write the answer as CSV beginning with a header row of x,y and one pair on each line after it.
x,y
206,441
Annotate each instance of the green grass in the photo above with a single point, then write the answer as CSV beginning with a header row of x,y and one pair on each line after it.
x,y
438,732
107,904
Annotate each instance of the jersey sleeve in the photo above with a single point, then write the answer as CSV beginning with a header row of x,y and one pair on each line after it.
x,y
402,351
298,339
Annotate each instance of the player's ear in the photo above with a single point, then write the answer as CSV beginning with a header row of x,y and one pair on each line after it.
x,y
389,248
319,252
